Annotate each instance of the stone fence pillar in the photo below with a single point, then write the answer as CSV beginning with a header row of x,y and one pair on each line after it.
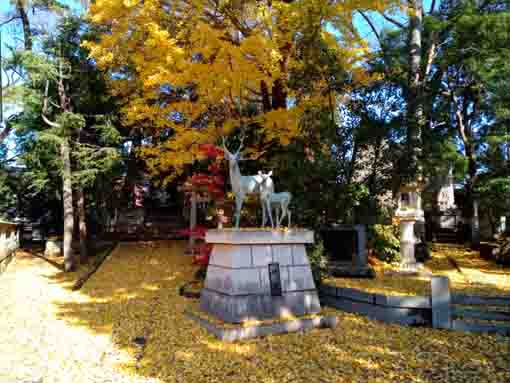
x,y
441,303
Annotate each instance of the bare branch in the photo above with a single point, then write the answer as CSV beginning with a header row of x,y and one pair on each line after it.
x,y
5,132
371,25
432,6
241,145
393,21
10,159
45,107
9,20
431,54
225,145
50,123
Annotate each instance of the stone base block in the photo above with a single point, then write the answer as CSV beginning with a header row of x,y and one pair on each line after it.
x,y
349,271
241,332
240,308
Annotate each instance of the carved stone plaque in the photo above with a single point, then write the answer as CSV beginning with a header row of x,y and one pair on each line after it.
x,y
275,282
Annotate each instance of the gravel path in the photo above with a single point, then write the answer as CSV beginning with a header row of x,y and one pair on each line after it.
x,y
37,345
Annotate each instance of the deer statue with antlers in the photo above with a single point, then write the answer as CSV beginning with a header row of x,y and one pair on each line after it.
x,y
244,185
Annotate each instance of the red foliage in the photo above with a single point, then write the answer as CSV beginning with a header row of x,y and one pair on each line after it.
x,y
203,254
215,184
197,232
211,151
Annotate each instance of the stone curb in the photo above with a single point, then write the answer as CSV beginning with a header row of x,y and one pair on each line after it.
x,y
241,333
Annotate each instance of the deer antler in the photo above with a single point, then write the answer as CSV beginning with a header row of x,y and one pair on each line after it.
x,y
241,145
225,145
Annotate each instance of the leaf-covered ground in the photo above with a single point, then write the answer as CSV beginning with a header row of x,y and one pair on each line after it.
x,y
49,332
468,273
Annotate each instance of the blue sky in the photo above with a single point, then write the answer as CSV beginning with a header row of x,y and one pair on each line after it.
x,y
6,8
13,31
360,23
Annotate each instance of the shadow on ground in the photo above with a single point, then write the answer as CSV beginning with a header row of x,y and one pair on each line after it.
x,y
135,294
468,274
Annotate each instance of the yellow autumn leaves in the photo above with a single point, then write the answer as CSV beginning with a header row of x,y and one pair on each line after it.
x,y
87,336
193,65
477,276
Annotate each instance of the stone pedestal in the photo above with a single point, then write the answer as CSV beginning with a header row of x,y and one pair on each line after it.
x,y
239,285
408,241
53,248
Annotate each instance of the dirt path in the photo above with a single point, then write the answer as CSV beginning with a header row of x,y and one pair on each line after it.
x,y
38,345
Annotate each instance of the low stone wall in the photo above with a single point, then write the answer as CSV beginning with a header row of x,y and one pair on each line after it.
x,y
9,242
405,310
441,309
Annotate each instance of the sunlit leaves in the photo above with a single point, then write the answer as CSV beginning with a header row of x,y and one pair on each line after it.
x,y
205,61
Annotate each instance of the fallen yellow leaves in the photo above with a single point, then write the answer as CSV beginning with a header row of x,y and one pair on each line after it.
x,y
87,336
476,276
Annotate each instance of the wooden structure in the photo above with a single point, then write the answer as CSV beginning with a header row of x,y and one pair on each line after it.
x,y
199,198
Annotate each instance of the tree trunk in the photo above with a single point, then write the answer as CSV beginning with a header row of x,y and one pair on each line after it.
x,y
82,223
27,32
279,95
471,210
266,100
414,99
352,163
69,261
373,175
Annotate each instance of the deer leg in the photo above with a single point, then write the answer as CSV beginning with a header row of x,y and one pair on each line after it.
x,y
269,212
239,206
263,204
283,213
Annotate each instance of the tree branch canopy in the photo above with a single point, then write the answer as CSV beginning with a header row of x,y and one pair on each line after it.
x,y
213,57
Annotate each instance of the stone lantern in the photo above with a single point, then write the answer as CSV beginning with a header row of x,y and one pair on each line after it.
x,y
412,218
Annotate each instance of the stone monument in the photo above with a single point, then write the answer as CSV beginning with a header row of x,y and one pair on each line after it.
x,y
258,274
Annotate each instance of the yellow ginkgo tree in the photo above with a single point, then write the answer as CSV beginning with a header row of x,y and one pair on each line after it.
x,y
185,70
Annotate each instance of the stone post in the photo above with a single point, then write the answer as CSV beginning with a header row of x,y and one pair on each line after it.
x,y
408,241
501,225
441,299
361,258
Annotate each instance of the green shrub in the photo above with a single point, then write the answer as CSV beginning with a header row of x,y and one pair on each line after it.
x,y
385,242
318,261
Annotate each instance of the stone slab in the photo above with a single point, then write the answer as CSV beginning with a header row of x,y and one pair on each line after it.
x,y
476,300
262,255
355,295
282,254
468,313
241,333
232,256
441,299
237,309
248,237
300,278
503,329
299,255
403,301
404,316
